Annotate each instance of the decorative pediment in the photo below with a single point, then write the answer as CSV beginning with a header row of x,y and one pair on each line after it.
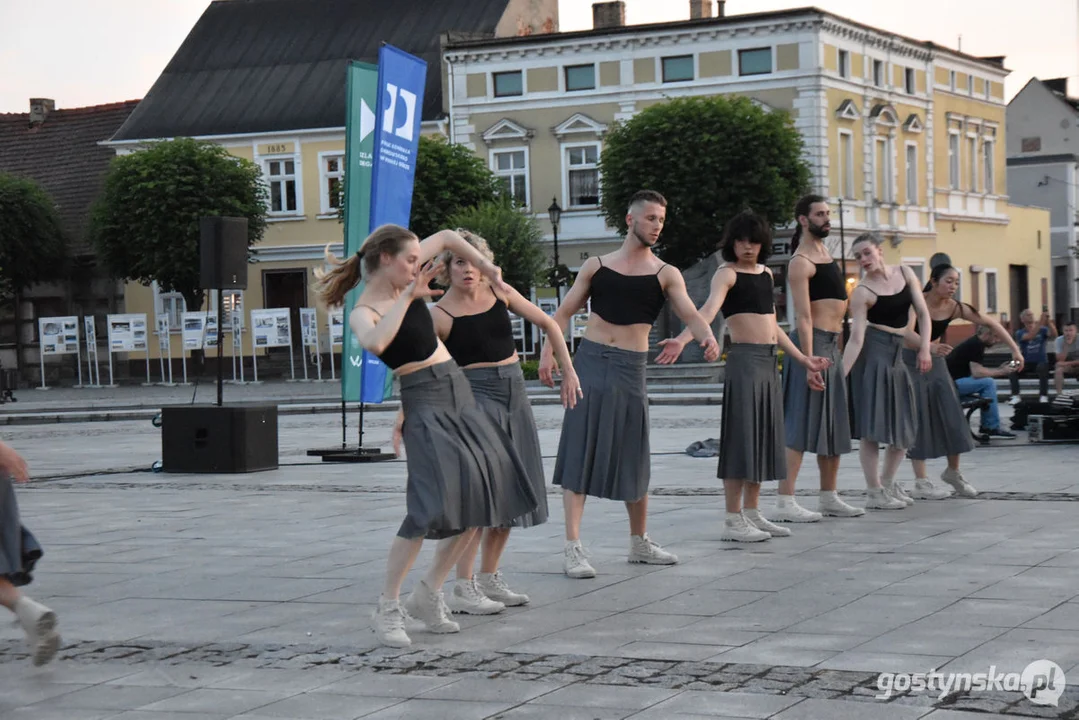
x,y
579,123
913,124
762,105
884,115
847,110
506,129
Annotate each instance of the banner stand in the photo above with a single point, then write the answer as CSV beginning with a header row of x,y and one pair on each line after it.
x,y
309,341
237,356
41,357
58,336
93,371
164,346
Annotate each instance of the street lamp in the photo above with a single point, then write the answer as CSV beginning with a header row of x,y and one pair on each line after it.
x,y
555,214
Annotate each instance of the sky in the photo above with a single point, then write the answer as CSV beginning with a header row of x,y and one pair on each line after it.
x,y
90,52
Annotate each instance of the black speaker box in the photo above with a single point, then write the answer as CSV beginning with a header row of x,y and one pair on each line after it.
x,y
213,439
223,253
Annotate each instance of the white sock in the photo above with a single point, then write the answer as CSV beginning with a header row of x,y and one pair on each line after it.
x,y
731,517
829,495
784,501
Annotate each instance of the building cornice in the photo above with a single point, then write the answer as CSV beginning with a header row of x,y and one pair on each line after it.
x,y
876,39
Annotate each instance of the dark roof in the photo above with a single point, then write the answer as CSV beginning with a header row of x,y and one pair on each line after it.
x,y
63,156
1059,87
276,65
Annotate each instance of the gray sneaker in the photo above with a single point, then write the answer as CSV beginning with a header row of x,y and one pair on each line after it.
x,y
643,550
894,489
389,624
494,586
880,499
39,624
429,607
575,563
468,599
957,481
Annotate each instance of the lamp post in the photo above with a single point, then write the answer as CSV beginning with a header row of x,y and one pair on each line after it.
x,y
554,213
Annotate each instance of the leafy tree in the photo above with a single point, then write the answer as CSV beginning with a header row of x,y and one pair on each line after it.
x,y
32,246
514,238
448,178
145,224
711,157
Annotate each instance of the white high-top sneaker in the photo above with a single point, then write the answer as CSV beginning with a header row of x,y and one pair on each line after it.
x,y
575,561
467,598
879,499
389,623
753,517
957,481
926,490
787,509
831,505
737,529
893,488
494,586
39,623
643,550
429,607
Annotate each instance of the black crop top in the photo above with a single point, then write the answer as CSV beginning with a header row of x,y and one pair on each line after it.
x,y
939,326
751,293
626,299
827,283
415,339
891,310
481,338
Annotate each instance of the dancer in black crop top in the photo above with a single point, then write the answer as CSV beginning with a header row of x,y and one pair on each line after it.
x,y
627,299
463,472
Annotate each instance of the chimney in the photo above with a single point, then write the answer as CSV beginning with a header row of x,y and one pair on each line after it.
x,y
722,9
40,109
1057,85
700,9
608,14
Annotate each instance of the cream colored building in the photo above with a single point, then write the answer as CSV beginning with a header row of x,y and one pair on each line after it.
x,y
907,134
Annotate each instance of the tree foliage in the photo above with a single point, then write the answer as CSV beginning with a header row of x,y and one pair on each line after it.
x,y
514,238
145,224
32,246
711,157
449,178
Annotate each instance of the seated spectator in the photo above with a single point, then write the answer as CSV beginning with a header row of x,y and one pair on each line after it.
x,y
1033,338
973,378
1067,356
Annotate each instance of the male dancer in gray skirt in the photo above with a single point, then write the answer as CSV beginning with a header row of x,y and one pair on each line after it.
x,y
603,450
815,404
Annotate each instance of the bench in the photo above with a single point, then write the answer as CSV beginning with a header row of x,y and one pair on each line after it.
x,y
970,404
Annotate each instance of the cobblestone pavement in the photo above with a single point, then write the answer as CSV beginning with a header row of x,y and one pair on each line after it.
x,y
248,596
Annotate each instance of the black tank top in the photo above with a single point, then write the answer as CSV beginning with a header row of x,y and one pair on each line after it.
x,y
626,299
891,310
827,283
415,339
481,338
751,293
939,326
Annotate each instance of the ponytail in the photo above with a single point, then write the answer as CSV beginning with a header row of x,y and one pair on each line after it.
x,y
331,286
796,239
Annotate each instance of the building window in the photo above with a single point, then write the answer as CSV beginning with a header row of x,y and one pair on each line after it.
x,y
757,61
972,153
988,89
508,84
991,291
580,77
282,178
878,73
846,165
908,81
678,68
882,186
912,174
332,169
951,80
917,266
844,64
170,305
953,160
970,84
987,167
582,175
511,169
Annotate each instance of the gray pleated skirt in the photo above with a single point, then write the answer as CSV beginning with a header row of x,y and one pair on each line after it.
x,y
751,442
501,392
882,405
19,551
463,470
942,427
817,422
603,450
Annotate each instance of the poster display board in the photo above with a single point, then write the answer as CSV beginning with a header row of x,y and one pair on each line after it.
x,y
93,369
309,339
272,327
236,329
164,346
336,322
59,336
127,333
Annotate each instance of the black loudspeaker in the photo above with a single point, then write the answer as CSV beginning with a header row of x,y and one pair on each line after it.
x,y
219,439
223,253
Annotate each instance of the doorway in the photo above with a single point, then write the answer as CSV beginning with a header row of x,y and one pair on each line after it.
x,y
1019,290
286,288
1060,295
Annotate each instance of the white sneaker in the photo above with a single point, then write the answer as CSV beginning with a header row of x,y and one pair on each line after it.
x,y
957,481
643,550
787,509
39,623
388,622
1014,400
737,529
753,517
466,598
493,586
575,563
926,490
831,505
1043,398
429,607
879,499
893,488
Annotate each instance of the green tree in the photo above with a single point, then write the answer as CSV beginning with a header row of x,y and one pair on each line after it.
x,y
448,178
514,238
711,157
145,224
32,245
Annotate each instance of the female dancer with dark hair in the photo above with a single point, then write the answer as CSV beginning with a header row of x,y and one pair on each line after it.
x,y
883,408
943,429
463,472
751,444
19,552
474,323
